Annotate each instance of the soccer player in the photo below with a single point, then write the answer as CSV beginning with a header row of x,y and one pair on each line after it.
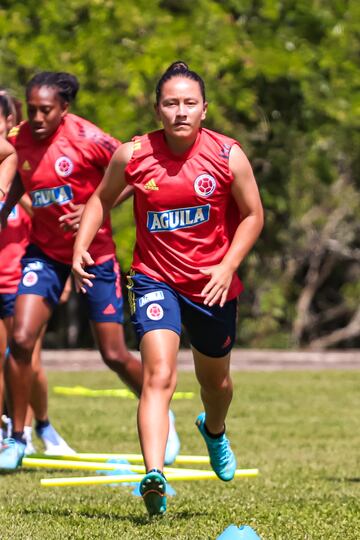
x,y
198,213
62,158
13,241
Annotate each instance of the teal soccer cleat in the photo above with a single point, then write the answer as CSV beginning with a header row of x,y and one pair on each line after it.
x,y
11,454
153,490
222,458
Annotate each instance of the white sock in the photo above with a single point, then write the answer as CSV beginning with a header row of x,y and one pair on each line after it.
x,y
28,434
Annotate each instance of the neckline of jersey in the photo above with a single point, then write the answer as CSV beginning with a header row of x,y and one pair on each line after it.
x,y
187,154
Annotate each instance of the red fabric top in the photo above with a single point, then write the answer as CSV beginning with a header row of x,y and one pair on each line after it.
x,y
65,167
13,241
184,210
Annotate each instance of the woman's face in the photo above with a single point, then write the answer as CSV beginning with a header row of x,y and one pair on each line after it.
x,y
181,107
45,111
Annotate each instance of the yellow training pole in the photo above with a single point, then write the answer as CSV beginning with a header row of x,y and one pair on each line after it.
x,y
135,458
93,480
35,463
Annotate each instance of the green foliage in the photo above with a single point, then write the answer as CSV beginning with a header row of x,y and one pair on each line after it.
x,y
282,77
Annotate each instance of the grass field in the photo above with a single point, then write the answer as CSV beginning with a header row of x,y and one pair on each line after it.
x,y
301,429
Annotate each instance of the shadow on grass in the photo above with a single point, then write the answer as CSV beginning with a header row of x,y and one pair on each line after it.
x,y
20,470
354,480
136,520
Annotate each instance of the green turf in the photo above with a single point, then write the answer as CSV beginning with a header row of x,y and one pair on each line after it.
x,y
301,429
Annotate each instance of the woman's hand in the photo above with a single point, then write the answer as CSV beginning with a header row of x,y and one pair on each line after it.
x,y
82,278
216,290
71,221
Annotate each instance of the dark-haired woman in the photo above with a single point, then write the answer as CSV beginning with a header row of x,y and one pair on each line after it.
x,y
62,158
198,213
13,242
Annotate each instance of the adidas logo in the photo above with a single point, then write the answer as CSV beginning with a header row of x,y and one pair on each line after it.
x,y
14,131
151,184
109,310
26,166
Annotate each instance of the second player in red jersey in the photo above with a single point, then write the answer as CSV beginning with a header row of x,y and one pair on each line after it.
x,y
60,171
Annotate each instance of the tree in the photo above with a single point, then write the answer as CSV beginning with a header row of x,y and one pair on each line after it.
x,y
282,77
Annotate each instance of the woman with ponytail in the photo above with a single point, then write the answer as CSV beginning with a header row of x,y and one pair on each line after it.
x,y
198,213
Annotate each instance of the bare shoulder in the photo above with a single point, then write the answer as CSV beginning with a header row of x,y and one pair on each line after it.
x,y
238,161
123,154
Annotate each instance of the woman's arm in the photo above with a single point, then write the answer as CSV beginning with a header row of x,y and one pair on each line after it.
x,y
13,196
96,210
26,203
8,165
246,194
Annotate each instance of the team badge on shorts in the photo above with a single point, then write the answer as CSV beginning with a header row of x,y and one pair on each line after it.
x,y
155,312
30,279
205,185
64,166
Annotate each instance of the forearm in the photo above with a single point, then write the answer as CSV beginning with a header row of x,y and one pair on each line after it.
x,y
244,239
91,220
25,202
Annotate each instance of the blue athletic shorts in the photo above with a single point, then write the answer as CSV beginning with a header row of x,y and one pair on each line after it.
x,y
155,305
7,302
46,277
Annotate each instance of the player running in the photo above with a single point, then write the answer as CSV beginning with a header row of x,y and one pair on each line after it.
x,y
62,158
191,238
13,242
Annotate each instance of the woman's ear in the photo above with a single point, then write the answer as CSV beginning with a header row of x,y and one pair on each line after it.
x,y
65,108
203,116
10,122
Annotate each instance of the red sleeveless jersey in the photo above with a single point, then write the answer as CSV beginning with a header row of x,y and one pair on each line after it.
x,y
64,168
13,241
184,210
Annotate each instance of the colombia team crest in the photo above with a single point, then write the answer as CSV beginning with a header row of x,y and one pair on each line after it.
x,y
205,185
64,166
30,279
155,312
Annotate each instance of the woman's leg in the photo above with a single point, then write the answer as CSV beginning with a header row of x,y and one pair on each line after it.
x,y
110,340
214,378
39,388
3,347
31,313
158,352
216,393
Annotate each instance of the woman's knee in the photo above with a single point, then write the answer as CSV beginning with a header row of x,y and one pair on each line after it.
x,y
23,343
114,357
160,378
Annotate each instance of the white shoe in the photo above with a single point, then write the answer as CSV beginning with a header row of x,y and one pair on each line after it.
x,y
29,449
173,442
54,444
